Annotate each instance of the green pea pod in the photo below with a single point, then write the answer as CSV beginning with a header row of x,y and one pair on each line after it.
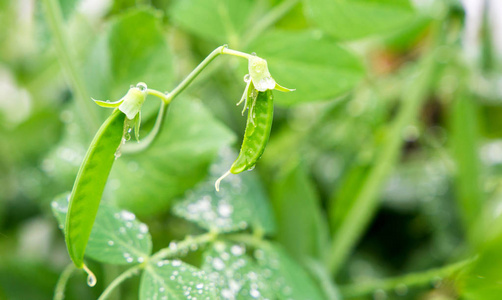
x,y
89,185
259,124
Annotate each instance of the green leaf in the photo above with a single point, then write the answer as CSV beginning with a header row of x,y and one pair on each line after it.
x,y
221,21
174,279
117,236
481,279
147,182
241,201
353,19
126,54
235,273
315,66
287,278
302,228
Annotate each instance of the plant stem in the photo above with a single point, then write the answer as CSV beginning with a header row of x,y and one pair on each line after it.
x,y
186,82
121,278
184,245
269,19
366,202
67,60
406,281
62,281
236,53
251,240
216,52
160,95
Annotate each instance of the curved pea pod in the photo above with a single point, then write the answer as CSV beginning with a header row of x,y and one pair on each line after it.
x,y
89,185
258,126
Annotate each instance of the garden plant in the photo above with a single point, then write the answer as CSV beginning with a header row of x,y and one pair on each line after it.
x,y
362,161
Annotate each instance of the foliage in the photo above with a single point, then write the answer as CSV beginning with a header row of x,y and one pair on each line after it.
x,y
380,178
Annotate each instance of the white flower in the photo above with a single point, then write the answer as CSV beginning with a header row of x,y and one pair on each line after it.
x,y
131,103
258,80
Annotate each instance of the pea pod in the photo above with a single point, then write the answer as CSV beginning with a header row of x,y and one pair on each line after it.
x,y
89,185
258,126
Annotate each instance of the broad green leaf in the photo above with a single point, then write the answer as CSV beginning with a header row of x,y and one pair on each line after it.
x,y
287,278
235,273
117,236
353,19
221,21
302,228
147,182
174,279
481,280
133,49
315,66
241,201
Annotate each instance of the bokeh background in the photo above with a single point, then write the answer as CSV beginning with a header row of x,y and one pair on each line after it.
x,y
385,161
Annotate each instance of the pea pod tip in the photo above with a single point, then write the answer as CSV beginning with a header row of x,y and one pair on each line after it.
x,y
217,182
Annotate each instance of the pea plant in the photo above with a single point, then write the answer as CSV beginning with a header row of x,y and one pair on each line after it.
x,y
250,149
81,210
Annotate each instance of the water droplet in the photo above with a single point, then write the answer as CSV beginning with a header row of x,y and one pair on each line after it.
x,y
225,209
200,286
218,264
141,259
91,278
253,53
227,294
176,263
143,228
247,78
142,86
111,243
254,293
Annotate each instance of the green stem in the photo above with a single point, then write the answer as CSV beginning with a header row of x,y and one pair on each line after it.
x,y
250,240
186,82
158,94
236,53
216,52
269,19
183,246
67,60
406,281
62,281
121,278
366,202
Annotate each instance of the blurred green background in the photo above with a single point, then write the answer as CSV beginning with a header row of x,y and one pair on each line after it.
x,y
385,161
